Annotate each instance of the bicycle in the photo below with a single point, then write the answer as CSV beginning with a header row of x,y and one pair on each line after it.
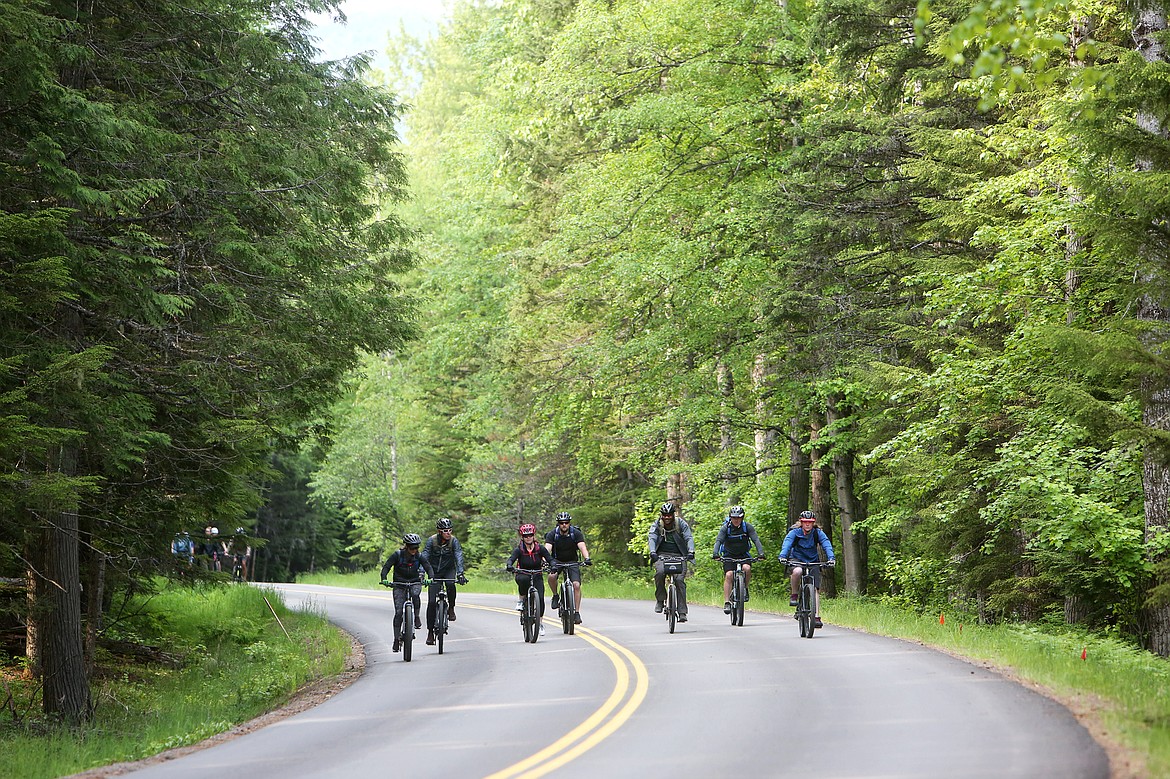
x,y
806,599
406,631
567,597
739,587
441,610
530,608
237,568
675,567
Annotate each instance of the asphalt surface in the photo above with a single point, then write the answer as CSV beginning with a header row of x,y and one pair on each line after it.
x,y
623,698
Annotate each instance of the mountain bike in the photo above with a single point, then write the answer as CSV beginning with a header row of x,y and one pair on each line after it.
x,y
806,599
675,568
739,587
406,631
237,568
567,598
530,607
442,609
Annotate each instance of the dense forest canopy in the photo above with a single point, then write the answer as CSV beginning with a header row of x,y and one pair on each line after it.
x,y
899,262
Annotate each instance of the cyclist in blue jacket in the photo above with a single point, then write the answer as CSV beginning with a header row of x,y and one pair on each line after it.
x,y
735,539
800,546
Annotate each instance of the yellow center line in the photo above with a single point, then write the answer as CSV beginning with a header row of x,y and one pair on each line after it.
x,y
599,725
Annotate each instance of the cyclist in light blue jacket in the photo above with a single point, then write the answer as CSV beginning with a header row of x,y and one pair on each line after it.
x,y
800,546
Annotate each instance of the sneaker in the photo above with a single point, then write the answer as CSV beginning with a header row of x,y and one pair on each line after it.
x,y
817,623
451,614
556,602
430,638
682,617
520,605
397,646
793,600
726,607
658,607
576,618
417,622
542,628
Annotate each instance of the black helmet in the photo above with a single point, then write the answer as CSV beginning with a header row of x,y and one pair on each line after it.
x,y
564,517
667,508
808,515
444,524
411,539
735,511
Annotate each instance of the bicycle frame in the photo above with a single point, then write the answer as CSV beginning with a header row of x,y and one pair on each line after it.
x,y
806,605
530,614
739,587
442,606
567,595
670,607
406,630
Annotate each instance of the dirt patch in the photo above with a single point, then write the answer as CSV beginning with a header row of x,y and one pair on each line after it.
x,y
306,698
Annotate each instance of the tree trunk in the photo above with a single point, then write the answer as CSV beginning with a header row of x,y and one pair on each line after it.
x,y
1151,24
65,685
821,498
94,608
765,438
798,471
33,590
726,439
852,545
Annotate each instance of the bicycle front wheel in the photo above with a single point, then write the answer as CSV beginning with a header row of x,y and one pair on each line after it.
x,y
407,631
809,597
568,601
440,623
534,612
671,604
737,605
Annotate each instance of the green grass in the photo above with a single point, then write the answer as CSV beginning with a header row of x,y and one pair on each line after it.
x,y
237,663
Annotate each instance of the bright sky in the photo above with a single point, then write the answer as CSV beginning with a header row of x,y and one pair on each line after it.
x,y
369,21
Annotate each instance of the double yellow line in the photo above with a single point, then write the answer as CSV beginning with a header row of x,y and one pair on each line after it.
x,y
628,692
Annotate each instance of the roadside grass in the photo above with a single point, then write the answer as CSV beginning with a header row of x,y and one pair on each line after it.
x,y
221,659
1122,691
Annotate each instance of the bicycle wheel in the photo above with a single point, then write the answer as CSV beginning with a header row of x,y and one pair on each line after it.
x,y
440,622
534,614
568,600
671,604
740,587
810,596
407,630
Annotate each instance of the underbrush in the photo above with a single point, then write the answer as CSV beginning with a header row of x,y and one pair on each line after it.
x,y
206,658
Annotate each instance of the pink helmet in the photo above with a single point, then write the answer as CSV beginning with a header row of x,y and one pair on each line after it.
x,y
528,530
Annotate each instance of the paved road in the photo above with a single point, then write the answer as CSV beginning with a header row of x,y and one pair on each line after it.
x,y
624,698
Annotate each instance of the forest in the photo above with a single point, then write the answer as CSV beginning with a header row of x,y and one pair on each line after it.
x,y
902,263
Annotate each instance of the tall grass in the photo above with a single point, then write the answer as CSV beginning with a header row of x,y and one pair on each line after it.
x,y
234,662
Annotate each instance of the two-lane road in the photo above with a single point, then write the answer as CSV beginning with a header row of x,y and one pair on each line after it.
x,y
624,697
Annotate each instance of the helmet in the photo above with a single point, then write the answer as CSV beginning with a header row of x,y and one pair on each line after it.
x,y
564,517
411,539
239,531
735,511
528,530
213,531
667,508
444,524
807,515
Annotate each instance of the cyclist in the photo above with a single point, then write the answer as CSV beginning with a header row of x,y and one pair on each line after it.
x,y
564,542
735,539
445,554
800,546
531,556
408,566
183,548
670,535
240,551
212,548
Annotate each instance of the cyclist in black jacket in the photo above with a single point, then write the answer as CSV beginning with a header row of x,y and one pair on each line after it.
x,y
531,556
445,554
735,539
564,543
408,566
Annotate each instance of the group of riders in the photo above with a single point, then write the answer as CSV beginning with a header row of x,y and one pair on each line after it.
x,y
213,550
564,550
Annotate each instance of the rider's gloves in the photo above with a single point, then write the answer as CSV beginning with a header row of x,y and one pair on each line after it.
x,y
832,563
783,560
588,561
461,579
690,555
714,555
511,569
385,582
426,582
653,558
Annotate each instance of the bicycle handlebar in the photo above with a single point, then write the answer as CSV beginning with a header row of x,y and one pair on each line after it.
x,y
726,559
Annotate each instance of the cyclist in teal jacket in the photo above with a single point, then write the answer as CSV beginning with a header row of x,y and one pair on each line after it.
x,y
800,546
